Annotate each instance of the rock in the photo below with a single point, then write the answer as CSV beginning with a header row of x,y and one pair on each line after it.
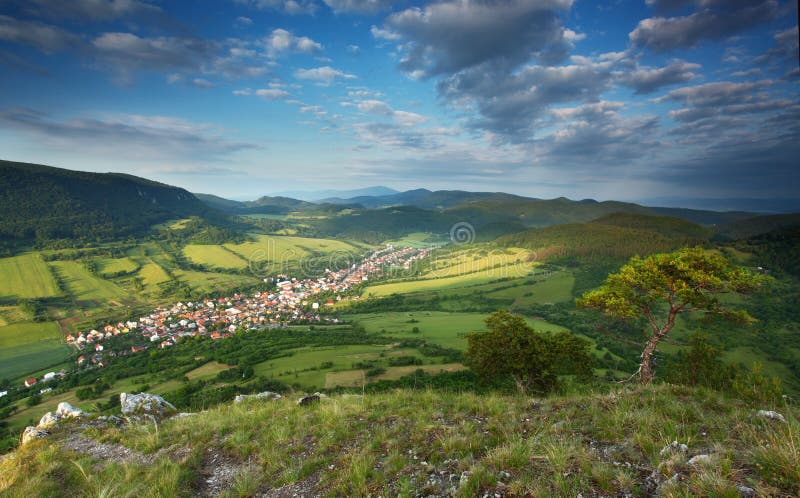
x,y
110,419
145,407
48,420
672,448
771,415
746,492
664,486
464,479
266,396
32,434
308,400
699,460
65,410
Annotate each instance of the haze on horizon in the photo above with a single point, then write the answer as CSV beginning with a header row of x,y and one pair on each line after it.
x,y
629,100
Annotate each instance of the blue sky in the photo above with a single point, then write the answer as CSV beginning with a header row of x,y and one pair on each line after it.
x,y
630,100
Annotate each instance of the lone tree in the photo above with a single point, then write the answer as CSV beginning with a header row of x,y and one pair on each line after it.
x,y
510,348
662,286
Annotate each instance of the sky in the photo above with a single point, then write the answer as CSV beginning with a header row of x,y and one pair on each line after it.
x,y
627,100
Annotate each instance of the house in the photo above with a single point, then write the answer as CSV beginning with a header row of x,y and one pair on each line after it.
x,y
30,382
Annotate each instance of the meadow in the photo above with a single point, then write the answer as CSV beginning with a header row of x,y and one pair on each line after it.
x,y
29,346
25,276
214,256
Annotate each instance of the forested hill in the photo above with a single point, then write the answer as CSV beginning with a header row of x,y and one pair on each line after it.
x,y
618,235
43,202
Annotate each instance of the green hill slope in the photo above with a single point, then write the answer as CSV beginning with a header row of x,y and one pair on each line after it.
x,y
669,226
428,443
592,240
42,202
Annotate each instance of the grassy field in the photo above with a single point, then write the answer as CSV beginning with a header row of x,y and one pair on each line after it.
x,y
152,275
445,329
555,289
433,443
283,252
207,371
416,239
27,347
109,266
472,261
84,286
302,367
214,256
454,282
209,281
26,276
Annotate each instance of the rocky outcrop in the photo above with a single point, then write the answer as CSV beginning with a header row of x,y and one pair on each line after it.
x,y
144,407
771,415
310,399
63,411
265,396
32,434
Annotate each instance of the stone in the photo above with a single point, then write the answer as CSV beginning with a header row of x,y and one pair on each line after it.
x,y
771,415
308,400
32,434
699,460
65,410
48,420
265,396
745,491
145,407
672,448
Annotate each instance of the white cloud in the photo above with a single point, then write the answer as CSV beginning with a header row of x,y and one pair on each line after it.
x,y
324,75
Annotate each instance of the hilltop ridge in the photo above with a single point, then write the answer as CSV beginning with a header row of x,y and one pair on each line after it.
x,y
663,439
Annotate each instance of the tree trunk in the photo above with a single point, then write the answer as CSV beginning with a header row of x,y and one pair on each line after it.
x,y
646,368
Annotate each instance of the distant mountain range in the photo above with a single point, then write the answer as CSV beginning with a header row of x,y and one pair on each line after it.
x,y
42,202
319,195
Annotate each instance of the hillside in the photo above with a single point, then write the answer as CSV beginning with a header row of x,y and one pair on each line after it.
x,y
665,440
593,240
427,199
758,225
42,202
669,226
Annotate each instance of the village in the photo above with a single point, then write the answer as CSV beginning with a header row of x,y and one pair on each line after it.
x,y
290,301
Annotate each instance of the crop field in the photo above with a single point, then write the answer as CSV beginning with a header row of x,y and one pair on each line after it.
x,y
467,279
28,346
214,256
286,251
472,261
556,289
152,275
207,371
209,281
26,276
416,239
109,266
84,286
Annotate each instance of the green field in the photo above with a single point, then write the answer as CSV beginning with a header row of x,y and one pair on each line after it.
x,y
454,282
301,366
84,286
555,289
207,371
26,276
214,256
152,275
285,251
437,327
109,266
27,347
210,282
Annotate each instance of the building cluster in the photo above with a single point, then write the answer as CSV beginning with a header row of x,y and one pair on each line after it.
x,y
291,300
